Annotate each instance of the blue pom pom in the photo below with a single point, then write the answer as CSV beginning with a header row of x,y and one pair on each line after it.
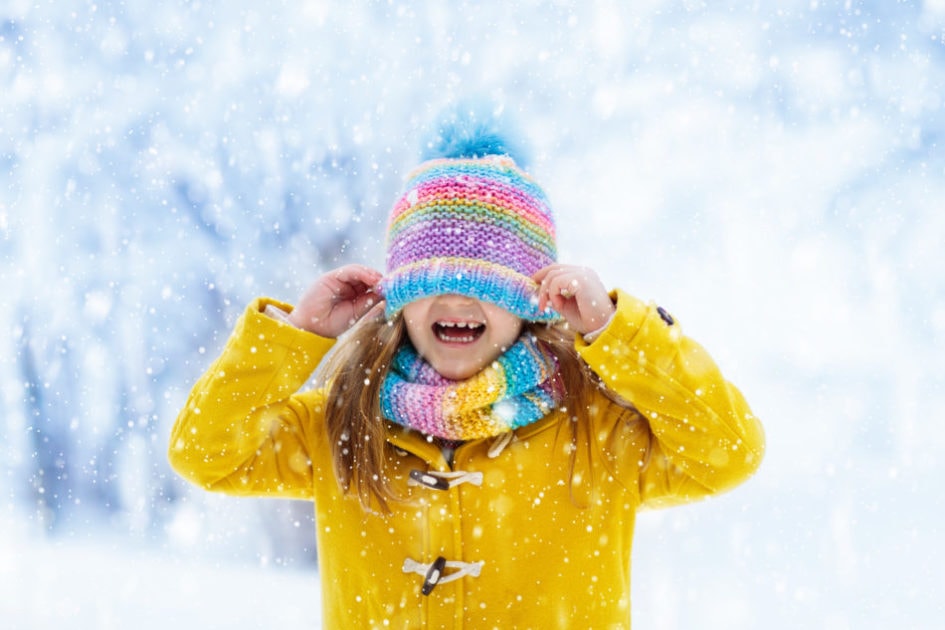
x,y
472,130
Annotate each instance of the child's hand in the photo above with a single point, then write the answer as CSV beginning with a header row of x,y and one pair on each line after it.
x,y
337,300
577,293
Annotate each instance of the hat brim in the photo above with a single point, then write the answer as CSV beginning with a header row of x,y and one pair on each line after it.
x,y
479,279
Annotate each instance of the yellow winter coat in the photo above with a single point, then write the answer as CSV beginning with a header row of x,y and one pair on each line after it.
x,y
519,544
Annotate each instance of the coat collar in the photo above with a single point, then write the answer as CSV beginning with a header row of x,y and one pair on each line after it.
x,y
429,450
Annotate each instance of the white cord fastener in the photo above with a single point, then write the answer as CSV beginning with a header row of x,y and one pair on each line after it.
x,y
443,480
500,444
433,572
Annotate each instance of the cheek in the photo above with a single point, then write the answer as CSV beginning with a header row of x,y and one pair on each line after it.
x,y
499,343
415,318
514,331
415,335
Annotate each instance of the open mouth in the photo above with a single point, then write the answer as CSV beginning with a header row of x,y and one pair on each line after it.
x,y
458,332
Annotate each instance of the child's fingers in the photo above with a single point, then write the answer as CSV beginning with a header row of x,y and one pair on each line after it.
x,y
366,302
376,311
337,299
557,283
359,278
357,274
576,293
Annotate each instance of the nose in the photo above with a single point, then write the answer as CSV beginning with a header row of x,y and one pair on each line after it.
x,y
456,299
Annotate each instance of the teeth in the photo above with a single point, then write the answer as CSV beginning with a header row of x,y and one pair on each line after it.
x,y
454,339
470,325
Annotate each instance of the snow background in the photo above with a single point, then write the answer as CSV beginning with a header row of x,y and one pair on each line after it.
x,y
771,173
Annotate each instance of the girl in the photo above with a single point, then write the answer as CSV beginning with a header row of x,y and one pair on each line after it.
x,y
486,428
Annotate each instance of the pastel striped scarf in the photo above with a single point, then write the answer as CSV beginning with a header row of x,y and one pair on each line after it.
x,y
517,389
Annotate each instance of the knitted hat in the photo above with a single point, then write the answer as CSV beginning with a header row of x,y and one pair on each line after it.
x,y
476,226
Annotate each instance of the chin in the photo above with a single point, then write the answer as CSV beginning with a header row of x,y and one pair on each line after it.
x,y
457,373
454,375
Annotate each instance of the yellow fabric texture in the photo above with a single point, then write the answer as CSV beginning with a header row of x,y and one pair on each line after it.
x,y
555,549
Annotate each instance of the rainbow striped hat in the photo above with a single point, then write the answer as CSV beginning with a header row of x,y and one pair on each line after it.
x,y
475,226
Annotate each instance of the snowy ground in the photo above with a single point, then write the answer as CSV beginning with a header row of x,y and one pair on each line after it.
x,y
106,584
871,570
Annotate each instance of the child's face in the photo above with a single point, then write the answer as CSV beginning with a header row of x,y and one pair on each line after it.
x,y
459,335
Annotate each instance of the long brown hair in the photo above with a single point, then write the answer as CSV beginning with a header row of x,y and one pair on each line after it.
x,y
354,374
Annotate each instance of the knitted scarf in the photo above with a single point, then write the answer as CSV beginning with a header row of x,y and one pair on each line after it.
x,y
517,389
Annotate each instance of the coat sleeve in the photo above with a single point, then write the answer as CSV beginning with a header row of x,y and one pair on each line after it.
x,y
244,429
701,438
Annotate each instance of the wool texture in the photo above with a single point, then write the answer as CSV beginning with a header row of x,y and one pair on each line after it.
x,y
517,389
479,227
